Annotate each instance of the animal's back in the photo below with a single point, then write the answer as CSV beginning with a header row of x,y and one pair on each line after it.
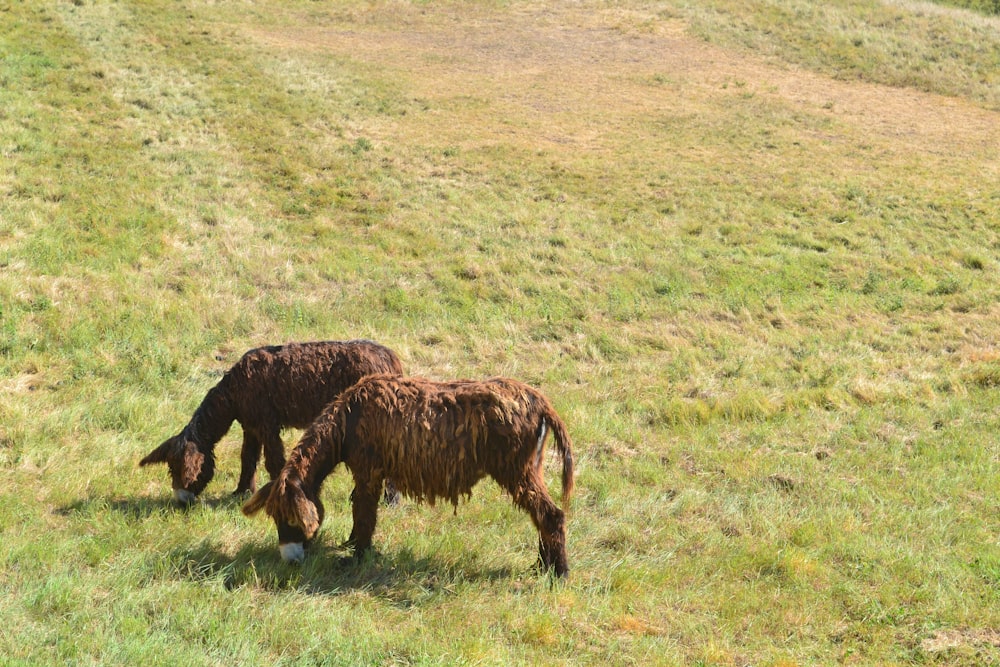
x,y
437,439
292,383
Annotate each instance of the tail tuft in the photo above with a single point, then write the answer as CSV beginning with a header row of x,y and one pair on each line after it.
x,y
565,446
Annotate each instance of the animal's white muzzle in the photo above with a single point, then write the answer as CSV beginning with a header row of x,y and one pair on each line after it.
x,y
293,552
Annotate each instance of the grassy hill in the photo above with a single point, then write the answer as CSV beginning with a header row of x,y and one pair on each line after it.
x,y
747,248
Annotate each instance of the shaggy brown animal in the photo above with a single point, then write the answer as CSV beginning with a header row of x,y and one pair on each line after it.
x,y
434,440
268,389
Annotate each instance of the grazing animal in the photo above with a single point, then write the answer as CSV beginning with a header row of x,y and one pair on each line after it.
x,y
268,389
434,440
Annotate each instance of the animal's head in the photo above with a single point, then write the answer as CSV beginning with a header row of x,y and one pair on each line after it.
x,y
297,514
190,469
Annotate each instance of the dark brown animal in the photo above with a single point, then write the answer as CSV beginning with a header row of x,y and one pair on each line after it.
x,y
434,440
268,389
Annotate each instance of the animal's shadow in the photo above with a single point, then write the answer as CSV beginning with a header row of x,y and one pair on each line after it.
x,y
402,577
137,509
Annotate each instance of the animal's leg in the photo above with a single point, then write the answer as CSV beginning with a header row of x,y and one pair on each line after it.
x,y
364,506
391,495
532,496
249,456
274,452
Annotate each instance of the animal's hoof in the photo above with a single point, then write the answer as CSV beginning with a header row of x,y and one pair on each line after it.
x,y
184,497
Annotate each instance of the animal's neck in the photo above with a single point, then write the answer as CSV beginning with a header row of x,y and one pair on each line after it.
x,y
318,452
212,419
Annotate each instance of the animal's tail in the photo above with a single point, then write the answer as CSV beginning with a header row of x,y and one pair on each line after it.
x,y
565,446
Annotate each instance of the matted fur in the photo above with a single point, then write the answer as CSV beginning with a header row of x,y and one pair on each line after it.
x,y
268,389
435,440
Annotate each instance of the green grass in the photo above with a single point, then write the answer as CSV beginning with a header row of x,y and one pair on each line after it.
x,y
906,44
985,6
746,248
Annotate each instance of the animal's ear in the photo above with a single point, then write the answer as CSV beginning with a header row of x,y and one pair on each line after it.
x,y
193,461
304,511
258,500
158,455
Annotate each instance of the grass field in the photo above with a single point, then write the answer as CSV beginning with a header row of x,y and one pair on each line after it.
x,y
749,250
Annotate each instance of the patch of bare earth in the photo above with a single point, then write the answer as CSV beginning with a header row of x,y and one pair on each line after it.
x,y
565,78
946,640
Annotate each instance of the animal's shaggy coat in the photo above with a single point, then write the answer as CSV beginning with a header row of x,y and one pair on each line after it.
x,y
434,440
268,389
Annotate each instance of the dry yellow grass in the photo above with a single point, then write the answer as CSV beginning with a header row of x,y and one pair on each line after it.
x,y
557,80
